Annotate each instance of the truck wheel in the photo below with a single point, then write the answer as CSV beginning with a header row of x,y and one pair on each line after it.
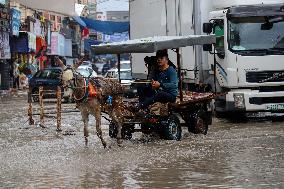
x,y
112,130
172,129
198,123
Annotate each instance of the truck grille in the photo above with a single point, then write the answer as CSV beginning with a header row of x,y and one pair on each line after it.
x,y
266,76
266,100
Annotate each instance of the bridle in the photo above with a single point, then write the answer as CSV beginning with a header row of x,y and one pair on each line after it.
x,y
73,84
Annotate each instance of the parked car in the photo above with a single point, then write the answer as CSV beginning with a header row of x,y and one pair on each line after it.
x,y
125,64
86,71
100,66
87,63
48,78
126,80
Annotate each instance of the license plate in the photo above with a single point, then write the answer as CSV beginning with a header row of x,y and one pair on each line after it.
x,y
275,107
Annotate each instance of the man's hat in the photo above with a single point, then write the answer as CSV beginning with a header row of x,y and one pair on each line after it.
x,y
162,53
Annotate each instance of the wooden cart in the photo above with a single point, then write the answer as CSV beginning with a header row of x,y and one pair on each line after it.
x,y
192,110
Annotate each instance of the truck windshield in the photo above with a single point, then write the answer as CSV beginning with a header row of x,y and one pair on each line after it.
x,y
256,35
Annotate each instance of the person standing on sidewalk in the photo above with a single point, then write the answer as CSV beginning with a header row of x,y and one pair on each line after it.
x,y
16,74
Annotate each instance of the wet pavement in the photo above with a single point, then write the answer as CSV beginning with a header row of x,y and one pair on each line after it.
x,y
246,155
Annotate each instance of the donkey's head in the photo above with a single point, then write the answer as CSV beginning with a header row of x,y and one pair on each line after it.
x,y
69,73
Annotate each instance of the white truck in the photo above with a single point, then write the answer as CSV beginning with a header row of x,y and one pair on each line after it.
x,y
249,59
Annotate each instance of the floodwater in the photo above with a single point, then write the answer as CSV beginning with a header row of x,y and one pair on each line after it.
x,y
247,155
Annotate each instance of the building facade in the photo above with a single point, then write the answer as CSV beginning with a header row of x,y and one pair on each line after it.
x,y
117,16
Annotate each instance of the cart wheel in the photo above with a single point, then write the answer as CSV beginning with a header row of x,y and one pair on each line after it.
x,y
172,129
127,131
112,131
198,123
146,128
35,96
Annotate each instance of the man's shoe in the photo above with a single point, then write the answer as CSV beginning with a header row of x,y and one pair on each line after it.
x,y
141,114
135,108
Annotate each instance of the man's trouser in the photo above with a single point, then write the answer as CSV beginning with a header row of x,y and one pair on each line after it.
x,y
148,96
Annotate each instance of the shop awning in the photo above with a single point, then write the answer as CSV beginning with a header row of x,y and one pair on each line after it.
x,y
153,44
65,7
106,27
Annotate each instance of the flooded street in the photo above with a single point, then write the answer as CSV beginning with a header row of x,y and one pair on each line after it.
x,y
247,155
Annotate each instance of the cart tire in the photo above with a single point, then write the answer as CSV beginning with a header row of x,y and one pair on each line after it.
x,y
35,95
172,129
126,131
112,131
146,129
198,123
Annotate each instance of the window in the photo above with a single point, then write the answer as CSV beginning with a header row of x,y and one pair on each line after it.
x,y
256,35
218,30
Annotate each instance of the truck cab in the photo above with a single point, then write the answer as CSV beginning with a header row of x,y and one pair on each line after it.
x,y
249,57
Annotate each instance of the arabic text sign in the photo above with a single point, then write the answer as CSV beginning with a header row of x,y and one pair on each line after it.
x,y
16,19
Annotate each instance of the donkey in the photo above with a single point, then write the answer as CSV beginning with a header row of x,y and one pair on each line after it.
x,y
108,98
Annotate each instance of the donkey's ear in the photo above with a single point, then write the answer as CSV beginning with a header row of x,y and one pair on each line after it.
x,y
60,64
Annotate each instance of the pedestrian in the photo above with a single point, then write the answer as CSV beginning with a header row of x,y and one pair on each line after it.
x,y
16,74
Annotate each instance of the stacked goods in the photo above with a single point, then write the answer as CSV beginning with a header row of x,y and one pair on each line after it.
x,y
189,96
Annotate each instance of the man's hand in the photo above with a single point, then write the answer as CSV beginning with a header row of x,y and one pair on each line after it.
x,y
155,84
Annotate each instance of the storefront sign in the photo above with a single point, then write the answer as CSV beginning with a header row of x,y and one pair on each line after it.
x,y
54,44
4,46
68,47
115,38
32,42
15,23
57,44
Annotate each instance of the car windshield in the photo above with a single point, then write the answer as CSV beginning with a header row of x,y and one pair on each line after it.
x,y
256,33
84,72
48,74
125,75
99,65
125,66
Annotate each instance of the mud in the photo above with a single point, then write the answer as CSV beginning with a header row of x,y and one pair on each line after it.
x,y
246,155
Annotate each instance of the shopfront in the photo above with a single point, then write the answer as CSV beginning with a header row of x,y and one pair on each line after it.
x,y
5,55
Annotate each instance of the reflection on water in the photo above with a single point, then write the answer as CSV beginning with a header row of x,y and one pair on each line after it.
x,y
231,156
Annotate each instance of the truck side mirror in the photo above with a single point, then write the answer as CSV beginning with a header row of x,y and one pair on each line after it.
x,y
207,47
267,26
207,28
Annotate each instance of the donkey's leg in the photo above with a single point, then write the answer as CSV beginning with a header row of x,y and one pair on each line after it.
x,y
98,125
85,118
117,119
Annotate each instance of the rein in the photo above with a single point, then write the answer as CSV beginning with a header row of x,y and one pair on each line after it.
x,y
84,98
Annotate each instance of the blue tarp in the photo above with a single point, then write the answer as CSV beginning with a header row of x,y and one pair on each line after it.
x,y
19,44
106,27
79,21
89,42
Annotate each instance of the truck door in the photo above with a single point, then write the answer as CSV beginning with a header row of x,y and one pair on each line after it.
x,y
218,30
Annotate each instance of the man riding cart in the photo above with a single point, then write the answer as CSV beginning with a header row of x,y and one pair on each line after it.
x,y
164,105
164,83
